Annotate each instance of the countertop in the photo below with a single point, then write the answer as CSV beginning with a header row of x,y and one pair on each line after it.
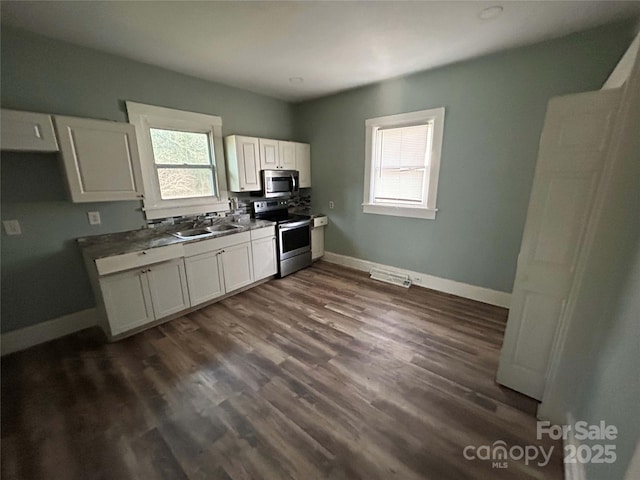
x,y
101,246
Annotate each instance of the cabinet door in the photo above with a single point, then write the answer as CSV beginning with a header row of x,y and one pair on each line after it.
x,y
287,154
237,266
168,287
204,277
127,300
269,154
264,253
317,242
27,131
100,159
303,163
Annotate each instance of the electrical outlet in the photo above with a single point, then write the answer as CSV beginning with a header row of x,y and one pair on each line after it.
x,y
417,279
94,218
12,227
331,205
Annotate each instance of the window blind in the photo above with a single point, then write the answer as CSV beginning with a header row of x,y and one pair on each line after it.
x,y
401,163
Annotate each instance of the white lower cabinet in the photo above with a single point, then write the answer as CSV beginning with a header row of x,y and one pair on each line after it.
x,y
140,287
136,297
265,262
204,277
237,266
168,287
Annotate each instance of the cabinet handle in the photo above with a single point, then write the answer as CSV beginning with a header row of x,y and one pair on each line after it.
x,y
148,269
142,271
141,195
144,252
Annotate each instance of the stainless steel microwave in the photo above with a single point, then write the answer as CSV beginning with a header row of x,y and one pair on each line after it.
x,y
279,183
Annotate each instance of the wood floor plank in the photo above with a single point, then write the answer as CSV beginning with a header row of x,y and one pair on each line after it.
x,y
322,374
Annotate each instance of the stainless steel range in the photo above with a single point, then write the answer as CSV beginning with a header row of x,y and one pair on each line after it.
x,y
293,233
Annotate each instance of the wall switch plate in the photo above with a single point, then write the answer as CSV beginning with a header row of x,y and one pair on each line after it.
x,y
94,218
12,227
331,205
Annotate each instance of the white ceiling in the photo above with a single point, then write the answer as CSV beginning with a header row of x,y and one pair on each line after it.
x,y
333,46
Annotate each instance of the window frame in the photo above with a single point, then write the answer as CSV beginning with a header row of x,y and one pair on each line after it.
x,y
144,117
427,209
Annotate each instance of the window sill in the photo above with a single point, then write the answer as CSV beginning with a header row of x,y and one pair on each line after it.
x,y
400,211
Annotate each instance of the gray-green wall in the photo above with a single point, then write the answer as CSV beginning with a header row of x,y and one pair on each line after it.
x,y
42,272
495,108
494,113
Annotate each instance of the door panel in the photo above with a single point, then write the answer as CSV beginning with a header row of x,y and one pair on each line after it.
x,y
264,254
237,266
572,153
249,163
100,158
287,155
127,300
168,288
204,277
269,155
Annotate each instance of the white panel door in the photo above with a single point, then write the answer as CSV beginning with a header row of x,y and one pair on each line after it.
x,y
168,287
237,266
127,300
303,163
249,163
269,154
204,277
100,159
287,154
27,131
264,253
572,152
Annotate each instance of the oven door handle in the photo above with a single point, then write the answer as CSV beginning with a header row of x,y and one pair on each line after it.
x,y
291,226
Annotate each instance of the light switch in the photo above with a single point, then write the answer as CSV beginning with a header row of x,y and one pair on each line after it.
x,y
94,218
12,227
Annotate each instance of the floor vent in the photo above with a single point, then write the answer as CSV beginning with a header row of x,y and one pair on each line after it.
x,y
391,277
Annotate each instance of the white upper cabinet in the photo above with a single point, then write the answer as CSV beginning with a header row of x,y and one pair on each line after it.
x,y
100,159
303,163
243,163
28,132
287,153
246,156
269,154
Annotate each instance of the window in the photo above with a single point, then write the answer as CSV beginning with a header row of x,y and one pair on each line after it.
x,y
402,163
182,161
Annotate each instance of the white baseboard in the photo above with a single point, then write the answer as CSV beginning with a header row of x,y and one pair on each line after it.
x,y
51,329
481,294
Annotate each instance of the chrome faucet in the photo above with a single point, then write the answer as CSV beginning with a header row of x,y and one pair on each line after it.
x,y
199,221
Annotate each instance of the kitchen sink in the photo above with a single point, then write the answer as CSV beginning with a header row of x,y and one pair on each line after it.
x,y
205,231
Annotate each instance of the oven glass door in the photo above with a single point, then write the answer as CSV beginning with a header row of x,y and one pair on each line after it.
x,y
294,239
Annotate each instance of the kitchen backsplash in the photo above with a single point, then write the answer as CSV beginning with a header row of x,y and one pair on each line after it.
x,y
239,206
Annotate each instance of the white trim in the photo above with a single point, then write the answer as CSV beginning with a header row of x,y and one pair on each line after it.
x,y
473,292
435,116
399,211
23,338
623,70
146,116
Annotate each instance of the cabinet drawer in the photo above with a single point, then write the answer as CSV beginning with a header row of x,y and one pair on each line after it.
x,y
263,232
320,221
204,246
118,263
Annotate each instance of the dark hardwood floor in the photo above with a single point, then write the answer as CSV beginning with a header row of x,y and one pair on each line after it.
x,y
322,374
